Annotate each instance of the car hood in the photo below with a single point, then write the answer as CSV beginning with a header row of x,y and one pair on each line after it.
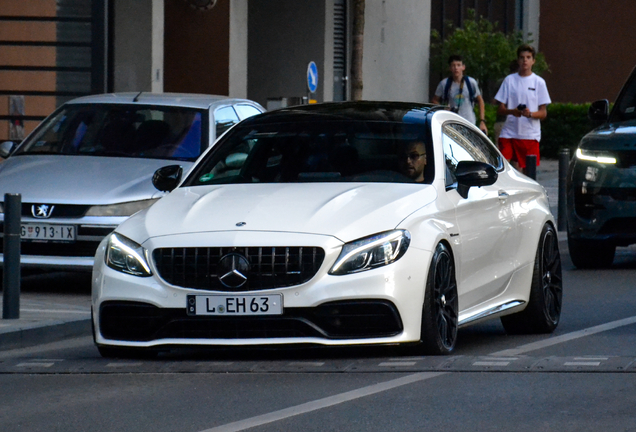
x,y
611,136
344,210
80,179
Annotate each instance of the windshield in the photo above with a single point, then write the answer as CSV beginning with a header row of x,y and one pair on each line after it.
x,y
316,151
121,130
625,108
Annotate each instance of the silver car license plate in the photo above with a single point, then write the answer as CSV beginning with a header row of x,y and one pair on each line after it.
x,y
270,304
48,232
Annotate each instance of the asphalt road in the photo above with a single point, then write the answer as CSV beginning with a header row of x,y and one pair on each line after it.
x,y
581,378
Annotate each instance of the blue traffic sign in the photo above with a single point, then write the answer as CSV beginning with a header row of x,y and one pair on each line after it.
x,y
312,77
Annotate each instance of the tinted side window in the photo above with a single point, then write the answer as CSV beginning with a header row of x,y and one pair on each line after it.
x,y
456,149
224,118
484,150
626,104
244,111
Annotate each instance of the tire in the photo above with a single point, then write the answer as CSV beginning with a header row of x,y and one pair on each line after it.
x,y
440,309
590,254
543,312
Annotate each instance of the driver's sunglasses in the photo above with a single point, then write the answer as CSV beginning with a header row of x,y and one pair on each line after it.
x,y
413,156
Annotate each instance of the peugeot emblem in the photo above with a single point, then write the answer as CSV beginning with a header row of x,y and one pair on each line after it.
x,y
233,270
240,224
42,211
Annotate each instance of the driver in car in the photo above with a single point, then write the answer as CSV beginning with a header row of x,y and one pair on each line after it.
x,y
412,160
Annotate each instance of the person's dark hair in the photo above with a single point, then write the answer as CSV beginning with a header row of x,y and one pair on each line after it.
x,y
526,48
455,57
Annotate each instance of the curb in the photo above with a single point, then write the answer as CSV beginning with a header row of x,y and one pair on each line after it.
x,y
44,333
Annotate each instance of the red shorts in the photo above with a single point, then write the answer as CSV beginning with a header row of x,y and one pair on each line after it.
x,y
516,150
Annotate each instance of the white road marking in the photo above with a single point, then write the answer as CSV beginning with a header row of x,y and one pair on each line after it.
x,y
323,403
581,363
215,363
566,337
407,358
123,364
591,358
491,363
409,379
306,364
35,364
87,312
396,364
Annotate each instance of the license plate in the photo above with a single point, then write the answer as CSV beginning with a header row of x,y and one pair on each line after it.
x,y
49,232
271,304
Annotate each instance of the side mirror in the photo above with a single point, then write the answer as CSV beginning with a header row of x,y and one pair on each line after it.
x,y
599,111
167,178
472,173
6,148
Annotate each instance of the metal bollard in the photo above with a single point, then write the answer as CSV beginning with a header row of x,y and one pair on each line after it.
x,y
531,166
564,162
11,276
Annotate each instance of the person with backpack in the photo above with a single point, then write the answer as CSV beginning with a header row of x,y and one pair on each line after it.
x,y
460,93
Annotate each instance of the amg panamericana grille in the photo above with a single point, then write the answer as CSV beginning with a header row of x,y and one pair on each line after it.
x,y
270,267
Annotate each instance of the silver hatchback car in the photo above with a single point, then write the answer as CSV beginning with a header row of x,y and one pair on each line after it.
x,y
89,166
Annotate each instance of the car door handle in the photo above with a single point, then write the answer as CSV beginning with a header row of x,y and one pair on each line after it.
x,y
503,195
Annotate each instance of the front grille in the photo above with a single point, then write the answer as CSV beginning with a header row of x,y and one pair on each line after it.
x,y
142,322
626,158
269,267
59,210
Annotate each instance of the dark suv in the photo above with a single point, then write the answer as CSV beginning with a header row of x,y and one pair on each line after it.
x,y
602,183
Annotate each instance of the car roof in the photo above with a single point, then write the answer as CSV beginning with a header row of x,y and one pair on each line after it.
x,y
404,112
190,100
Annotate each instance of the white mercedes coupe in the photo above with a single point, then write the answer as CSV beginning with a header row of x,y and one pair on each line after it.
x,y
351,223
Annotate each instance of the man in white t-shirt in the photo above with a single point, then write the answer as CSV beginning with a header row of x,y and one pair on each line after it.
x,y
523,98
460,93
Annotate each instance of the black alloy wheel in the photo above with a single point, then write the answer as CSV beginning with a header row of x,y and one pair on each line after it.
x,y
543,312
441,306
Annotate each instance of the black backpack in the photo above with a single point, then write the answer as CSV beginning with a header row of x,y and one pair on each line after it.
x,y
449,82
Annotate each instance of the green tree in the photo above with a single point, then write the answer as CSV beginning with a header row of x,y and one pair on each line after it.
x,y
488,54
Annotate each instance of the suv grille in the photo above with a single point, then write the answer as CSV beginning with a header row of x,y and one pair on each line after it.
x,y
269,267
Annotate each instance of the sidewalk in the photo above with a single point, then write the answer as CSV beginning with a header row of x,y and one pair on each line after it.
x,y
48,316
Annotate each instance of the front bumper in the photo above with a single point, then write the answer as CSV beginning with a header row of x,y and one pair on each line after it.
x,y
602,202
379,306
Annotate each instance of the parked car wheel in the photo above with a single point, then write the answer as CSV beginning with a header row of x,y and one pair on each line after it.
x,y
544,306
587,254
439,318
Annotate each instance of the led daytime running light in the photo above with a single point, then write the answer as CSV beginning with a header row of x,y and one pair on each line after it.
x,y
599,159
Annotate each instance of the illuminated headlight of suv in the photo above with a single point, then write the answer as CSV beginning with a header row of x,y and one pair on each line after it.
x,y
126,256
595,156
122,209
371,252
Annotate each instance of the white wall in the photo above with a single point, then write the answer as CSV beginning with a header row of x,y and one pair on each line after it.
x,y
396,50
238,49
138,45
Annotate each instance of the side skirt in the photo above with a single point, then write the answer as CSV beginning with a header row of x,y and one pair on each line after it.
x,y
502,309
